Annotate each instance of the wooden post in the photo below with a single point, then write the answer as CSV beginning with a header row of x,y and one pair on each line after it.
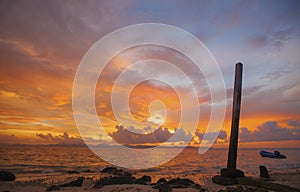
x,y
231,171
234,135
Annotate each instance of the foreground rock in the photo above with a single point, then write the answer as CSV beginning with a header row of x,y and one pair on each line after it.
x,y
182,183
164,186
263,172
161,180
7,176
77,183
143,180
218,179
243,189
53,188
114,181
116,172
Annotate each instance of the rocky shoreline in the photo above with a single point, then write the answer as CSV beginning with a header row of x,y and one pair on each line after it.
x,y
114,179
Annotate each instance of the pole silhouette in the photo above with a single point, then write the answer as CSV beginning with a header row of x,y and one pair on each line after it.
x,y
234,135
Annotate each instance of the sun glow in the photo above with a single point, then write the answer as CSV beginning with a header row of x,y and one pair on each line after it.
x,y
158,112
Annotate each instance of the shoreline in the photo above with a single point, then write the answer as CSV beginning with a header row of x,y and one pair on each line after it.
x,y
44,182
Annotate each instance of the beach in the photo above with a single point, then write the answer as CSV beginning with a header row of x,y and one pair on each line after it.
x,y
38,168
46,183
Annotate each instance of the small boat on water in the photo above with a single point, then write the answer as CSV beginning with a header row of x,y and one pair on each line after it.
x,y
275,154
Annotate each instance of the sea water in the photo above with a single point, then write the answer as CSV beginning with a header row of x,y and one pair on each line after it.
x,y
41,160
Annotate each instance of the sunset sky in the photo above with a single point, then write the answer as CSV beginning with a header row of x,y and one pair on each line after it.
x,y
43,42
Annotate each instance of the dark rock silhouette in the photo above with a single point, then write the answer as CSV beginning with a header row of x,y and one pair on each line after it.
x,y
114,181
123,177
143,180
7,176
53,188
115,171
223,180
181,183
163,187
77,183
263,172
243,189
161,180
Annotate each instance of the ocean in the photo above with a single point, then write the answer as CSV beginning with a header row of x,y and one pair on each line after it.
x,y
26,161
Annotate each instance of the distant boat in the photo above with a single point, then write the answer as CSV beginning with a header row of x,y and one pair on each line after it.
x,y
275,154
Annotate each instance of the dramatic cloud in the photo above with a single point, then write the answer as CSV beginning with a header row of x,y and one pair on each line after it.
x,y
123,136
221,138
132,135
181,136
270,131
294,123
63,139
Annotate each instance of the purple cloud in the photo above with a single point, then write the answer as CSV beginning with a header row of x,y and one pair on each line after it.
x,y
269,131
63,139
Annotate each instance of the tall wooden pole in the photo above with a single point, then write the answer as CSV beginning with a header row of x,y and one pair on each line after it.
x,y
234,135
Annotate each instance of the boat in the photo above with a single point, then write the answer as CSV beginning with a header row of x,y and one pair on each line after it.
x,y
275,154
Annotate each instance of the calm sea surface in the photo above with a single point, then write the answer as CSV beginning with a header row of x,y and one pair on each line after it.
x,y
54,159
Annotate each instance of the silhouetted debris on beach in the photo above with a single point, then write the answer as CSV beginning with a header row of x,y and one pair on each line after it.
x,y
161,180
243,189
143,180
115,171
143,183
162,184
263,171
114,181
181,183
163,187
77,183
7,176
53,188
218,179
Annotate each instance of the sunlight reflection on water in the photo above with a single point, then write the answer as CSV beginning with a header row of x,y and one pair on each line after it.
x,y
42,159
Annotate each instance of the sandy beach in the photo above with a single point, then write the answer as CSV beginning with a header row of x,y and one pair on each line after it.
x,y
69,182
